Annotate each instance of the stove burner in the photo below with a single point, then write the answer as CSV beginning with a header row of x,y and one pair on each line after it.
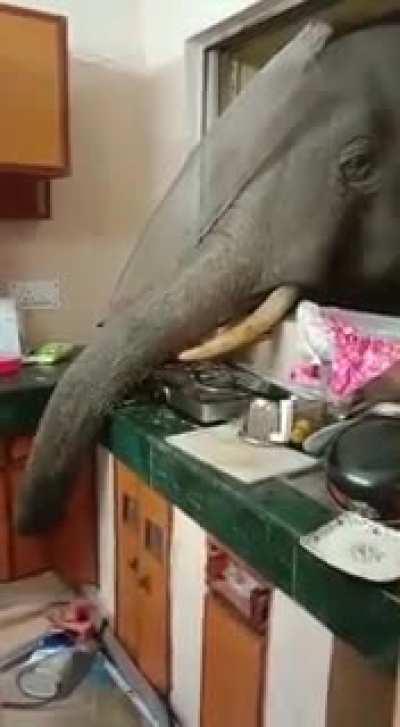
x,y
212,393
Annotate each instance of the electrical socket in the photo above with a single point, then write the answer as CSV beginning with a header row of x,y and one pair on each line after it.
x,y
35,294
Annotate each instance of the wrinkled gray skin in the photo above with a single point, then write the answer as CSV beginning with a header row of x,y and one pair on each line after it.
x,y
325,215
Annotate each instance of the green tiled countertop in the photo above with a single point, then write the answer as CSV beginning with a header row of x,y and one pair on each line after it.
x,y
262,522
24,395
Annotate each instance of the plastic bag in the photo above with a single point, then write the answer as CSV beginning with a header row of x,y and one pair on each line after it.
x,y
343,350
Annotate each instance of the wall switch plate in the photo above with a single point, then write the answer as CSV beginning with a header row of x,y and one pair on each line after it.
x,y
35,294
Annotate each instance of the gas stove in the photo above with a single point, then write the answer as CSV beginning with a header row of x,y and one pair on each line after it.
x,y
211,393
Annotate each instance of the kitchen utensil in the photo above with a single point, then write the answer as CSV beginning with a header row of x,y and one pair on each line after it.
x,y
317,442
206,407
211,393
363,466
267,422
357,546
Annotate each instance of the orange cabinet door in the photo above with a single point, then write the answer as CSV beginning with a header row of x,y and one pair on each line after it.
x,y
128,541
71,547
153,590
33,89
143,544
233,669
5,550
29,555
73,542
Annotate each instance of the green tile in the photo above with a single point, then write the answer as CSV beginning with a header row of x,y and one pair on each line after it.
x,y
128,445
20,413
357,611
295,512
277,559
215,502
154,419
23,397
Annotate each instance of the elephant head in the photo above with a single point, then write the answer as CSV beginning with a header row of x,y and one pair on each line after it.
x,y
320,213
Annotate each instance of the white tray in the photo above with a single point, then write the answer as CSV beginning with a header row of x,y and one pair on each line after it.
x,y
357,546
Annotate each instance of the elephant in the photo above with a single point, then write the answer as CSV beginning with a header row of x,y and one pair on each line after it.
x,y
319,216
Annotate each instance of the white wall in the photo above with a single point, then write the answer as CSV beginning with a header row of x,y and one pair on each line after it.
x,y
98,210
298,666
106,540
188,588
128,141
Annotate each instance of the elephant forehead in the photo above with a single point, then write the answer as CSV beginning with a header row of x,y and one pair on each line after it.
x,y
365,64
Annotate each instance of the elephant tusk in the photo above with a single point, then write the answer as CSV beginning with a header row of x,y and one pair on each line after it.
x,y
265,317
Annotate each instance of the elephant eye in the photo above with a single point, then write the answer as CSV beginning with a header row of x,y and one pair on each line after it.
x,y
358,165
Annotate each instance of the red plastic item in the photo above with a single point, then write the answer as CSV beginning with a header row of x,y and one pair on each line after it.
x,y
76,618
9,366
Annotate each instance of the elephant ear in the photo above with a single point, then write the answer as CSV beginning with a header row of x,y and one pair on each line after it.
x,y
238,145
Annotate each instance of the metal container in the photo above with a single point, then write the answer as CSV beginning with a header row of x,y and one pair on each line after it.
x,y
204,407
261,423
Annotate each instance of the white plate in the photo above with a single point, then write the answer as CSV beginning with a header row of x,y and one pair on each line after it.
x,y
357,546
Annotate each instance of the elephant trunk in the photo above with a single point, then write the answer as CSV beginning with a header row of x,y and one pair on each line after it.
x,y
216,285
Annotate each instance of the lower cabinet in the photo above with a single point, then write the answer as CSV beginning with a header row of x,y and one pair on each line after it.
x,y
143,548
233,669
28,555
70,548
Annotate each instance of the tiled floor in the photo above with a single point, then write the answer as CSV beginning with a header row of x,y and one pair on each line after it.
x,y
96,703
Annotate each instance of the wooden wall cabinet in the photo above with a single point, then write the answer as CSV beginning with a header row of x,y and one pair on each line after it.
x,y
143,546
34,119
33,88
70,548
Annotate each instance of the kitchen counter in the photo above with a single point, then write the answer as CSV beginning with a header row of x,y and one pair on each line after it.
x,y
23,397
261,522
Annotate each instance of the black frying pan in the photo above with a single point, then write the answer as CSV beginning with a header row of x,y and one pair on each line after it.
x,y
363,464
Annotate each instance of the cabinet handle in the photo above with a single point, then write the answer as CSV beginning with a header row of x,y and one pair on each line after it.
x,y
134,564
144,582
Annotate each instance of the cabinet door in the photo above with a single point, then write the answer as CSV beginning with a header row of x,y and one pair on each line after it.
x,y
5,570
233,669
33,88
128,538
153,590
73,541
29,555
70,548
24,197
